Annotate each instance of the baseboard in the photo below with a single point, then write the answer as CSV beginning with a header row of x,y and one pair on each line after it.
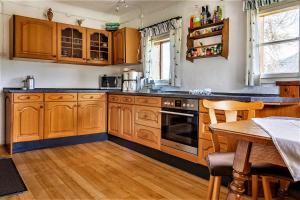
x,y
48,143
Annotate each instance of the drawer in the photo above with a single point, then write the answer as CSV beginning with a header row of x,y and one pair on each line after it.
x,y
114,98
148,116
91,96
28,97
127,99
60,96
147,136
148,101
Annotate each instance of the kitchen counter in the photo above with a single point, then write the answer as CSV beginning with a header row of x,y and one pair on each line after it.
x,y
267,98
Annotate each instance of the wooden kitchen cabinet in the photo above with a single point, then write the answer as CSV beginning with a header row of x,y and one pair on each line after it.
x,y
114,119
28,121
71,43
127,46
91,117
99,47
60,119
32,38
127,121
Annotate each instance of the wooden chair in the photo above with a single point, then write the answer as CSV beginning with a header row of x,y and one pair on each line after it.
x,y
230,109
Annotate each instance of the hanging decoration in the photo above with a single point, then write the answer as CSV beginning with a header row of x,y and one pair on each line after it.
x,y
256,4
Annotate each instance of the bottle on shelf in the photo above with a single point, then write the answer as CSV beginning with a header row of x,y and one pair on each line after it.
x,y
203,16
208,15
196,18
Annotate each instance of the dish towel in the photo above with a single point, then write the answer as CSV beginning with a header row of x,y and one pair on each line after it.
x,y
285,133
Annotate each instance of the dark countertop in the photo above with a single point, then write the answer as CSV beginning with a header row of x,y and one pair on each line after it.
x,y
55,90
269,98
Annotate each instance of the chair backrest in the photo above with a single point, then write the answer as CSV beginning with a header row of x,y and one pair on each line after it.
x,y
230,109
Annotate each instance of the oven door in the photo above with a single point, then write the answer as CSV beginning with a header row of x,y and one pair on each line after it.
x,y
180,129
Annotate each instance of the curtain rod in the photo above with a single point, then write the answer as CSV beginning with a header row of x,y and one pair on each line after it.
x,y
178,17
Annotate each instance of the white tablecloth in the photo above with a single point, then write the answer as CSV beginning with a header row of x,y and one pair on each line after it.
x,y
285,133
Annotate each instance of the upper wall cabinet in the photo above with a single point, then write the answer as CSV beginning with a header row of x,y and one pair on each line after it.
x,y
127,46
99,47
33,38
71,43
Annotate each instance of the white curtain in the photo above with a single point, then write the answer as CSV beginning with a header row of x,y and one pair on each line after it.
x,y
174,28
252,51
146,52
175,52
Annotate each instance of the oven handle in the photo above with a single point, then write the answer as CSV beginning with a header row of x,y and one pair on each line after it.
x,y
177,113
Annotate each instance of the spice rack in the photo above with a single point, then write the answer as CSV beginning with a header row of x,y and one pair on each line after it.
x,y
220,28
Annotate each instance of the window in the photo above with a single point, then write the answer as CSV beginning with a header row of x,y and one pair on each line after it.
x,y
161,59
279,43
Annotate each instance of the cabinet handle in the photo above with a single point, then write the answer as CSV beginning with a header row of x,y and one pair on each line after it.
x,y
41,107
28,97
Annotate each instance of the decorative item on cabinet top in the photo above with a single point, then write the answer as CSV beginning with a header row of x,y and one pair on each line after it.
x,y
45,40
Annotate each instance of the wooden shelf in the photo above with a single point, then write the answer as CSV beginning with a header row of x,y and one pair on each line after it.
x,y
209,45
207,26
225,39
192,58
215,33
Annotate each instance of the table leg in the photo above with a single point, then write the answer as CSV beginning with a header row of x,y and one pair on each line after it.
x,y
241,169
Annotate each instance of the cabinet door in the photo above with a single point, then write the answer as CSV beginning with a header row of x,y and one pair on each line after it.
x,y
127,120
34,38
133,46
114,119
119,46
99,46
28,121
60,119
71,45
91,117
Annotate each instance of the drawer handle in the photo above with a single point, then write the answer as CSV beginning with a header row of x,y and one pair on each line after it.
x,y
60,97
41,107
91,97
28,97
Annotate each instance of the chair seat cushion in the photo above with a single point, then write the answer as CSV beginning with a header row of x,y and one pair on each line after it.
x,y
220,164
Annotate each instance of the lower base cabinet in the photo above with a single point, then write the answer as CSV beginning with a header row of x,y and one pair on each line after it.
x,y
121,120
28,121
127,121
60,119
91,117
148,136
114,119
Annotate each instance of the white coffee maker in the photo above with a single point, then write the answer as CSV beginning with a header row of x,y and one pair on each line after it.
x,y
131,80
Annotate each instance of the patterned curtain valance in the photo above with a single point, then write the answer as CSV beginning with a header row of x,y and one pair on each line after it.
x,y
162,27
256,4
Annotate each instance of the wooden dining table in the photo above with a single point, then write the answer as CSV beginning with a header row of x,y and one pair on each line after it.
x,y
254,146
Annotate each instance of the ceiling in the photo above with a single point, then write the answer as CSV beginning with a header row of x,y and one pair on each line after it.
x,y
110,6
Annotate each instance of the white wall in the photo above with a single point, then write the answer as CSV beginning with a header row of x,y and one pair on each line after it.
x,y
51,75
216,73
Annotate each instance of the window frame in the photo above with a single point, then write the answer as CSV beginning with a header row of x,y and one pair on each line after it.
x,y
271,77
160,39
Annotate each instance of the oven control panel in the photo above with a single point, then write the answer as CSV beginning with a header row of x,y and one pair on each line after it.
x,y
180,103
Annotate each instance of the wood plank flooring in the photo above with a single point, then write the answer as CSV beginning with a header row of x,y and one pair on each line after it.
x,y
103,170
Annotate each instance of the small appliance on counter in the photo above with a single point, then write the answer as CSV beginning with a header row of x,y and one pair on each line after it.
x,y
29,83
110,82
131,80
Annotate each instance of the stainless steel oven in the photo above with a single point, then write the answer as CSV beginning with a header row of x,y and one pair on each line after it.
x,y
179,124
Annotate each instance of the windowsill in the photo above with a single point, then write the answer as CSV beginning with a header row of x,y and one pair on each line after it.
x,y
272,78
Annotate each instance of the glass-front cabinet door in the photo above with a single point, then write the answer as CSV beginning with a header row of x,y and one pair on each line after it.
x,y
71,43
99,47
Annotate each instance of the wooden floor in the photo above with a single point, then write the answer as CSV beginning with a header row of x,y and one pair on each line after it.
x,y
103,170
